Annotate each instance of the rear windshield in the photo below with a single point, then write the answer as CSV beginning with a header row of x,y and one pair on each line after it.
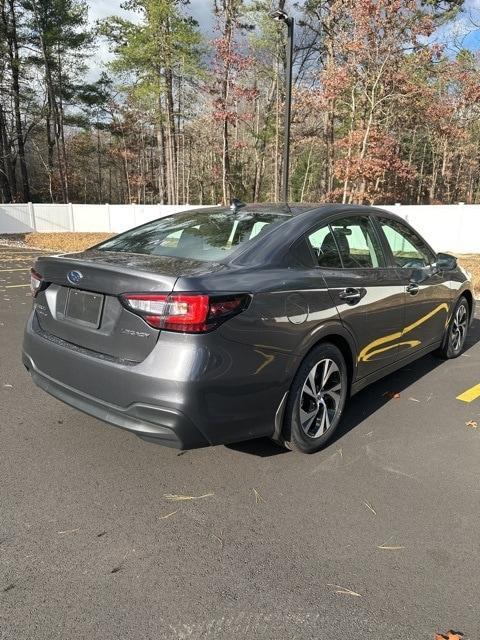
x,y
202,235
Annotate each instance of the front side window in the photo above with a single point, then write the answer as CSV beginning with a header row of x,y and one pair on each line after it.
x,y
409,251
358,244
200,235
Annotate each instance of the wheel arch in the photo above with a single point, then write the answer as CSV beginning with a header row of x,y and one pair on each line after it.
x,y
466,293
343,345
335,334
338,335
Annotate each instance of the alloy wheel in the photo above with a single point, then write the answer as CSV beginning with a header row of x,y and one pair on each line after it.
x,y
320,398
459,328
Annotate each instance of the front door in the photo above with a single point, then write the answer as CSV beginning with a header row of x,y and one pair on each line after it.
x,y
427,294
368,295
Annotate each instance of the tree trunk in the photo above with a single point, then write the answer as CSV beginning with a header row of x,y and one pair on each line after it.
x,y
99,167
61,150
261,143
162,154
350,150
171,139
15,70
50,147
6,186
307,173
329,126
53,108
420,181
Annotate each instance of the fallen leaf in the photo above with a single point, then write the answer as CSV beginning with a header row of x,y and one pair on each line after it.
x,y
390,548
472,424
370,507
450,635
219,539
258,497
344,591
392,395
61,533
168,515
180,498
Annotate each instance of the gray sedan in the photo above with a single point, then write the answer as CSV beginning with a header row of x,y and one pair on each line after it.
x,y
219,325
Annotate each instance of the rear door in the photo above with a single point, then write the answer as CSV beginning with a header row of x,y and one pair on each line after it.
x,y
368,295
427,291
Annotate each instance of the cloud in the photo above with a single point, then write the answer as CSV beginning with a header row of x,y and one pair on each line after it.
x,y
201,10
99,9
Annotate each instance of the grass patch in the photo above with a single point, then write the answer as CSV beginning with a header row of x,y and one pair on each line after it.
x,y
67,242
471,263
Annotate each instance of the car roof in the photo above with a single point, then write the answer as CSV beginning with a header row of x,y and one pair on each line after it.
x,y
296,209
273,244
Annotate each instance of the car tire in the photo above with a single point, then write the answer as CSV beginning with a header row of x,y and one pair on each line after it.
x,y
316,400
457,331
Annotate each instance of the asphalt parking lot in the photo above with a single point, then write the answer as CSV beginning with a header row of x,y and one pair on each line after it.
x,y
375,537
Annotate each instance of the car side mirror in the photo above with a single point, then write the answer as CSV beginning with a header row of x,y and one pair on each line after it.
x,y
419,275
446,262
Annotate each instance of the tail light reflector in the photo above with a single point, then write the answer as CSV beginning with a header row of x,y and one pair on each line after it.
x,y
187,313
35,282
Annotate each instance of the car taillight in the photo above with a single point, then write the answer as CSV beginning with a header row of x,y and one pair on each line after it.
x,y
188,313
35,282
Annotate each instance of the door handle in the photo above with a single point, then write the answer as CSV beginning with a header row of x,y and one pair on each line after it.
x,y
350,295
413,288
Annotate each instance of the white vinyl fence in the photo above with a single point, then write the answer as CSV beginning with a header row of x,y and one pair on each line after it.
x,y
22,218
454,228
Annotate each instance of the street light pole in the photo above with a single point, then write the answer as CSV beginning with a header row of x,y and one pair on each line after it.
x,y
288,110
281,16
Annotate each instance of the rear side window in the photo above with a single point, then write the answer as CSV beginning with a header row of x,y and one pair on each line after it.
x,y
349,243
201,235
325,248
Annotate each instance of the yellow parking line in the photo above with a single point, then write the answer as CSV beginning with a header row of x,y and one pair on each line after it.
x,y
14,286
470,394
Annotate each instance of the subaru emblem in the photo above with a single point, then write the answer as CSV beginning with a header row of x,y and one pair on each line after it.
x,y
74,277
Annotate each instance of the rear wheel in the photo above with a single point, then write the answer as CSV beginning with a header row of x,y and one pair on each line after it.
x,y
457,330
316,399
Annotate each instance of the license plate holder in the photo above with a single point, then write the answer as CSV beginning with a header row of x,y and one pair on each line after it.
x,y
84,308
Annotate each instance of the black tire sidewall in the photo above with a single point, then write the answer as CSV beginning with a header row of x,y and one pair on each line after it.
x,y
293,433
449,352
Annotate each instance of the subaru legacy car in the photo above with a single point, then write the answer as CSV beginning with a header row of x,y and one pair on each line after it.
x,y
219,325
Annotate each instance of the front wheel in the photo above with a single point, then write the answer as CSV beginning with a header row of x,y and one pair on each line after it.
x,y
457,331
316,400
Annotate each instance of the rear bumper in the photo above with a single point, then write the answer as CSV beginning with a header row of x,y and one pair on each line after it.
x,y
191,391
163,425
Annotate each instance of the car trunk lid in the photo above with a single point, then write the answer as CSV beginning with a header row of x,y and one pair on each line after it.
x,y
81,303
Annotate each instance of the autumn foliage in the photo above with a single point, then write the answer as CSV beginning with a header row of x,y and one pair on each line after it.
x,y
386,104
